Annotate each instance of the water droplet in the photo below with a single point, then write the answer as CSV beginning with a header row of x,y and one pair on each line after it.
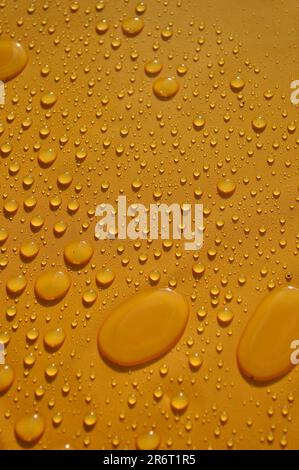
x,y
6,378
264,349
179,402
237,84
30,429
144,327
132,26
105,278
195,361
54,339
13,59
29,250
16,285
90,420
102,27
148,441
47,157
199,123
259,124
153,67
48,99
226,187
198,269
225,316
52,285
78,254
166,88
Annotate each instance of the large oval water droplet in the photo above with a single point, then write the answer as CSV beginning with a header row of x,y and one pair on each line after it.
x,y
52,285
264,349
144,327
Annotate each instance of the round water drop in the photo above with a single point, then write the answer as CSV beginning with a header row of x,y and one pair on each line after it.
x,y
13,59
90,420
52,285
48,99
226,187
78,253
153,68
166,88
195,361
59,228
89,297
102,27
51,372
140,8
132,26
11,207
237,84
29,250
46,157
166,33
64,179
264,351
148,441
6,378
16,285
225,316
199,123
54,339
179,402
30,429
198,269
144,327
105,278
259,124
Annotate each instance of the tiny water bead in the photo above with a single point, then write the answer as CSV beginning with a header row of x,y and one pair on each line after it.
x,y
78,253
132,26
264,351
6,378
13,59
30,428
166,88
52,285
226,187
144,327
148,441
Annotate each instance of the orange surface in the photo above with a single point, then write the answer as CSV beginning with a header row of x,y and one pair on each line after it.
x,y
85,121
